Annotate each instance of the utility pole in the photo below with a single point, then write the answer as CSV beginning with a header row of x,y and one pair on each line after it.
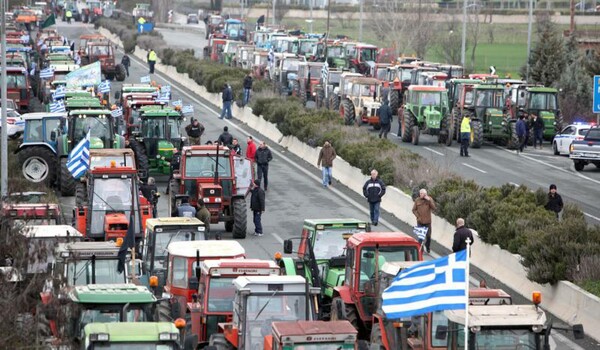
x,y
328,15
310,3
273,19
529,25
360,29
3,135
464,35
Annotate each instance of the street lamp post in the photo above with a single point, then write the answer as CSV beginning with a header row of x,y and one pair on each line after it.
x,y
529,25
464,35
360,28
273,19
3,135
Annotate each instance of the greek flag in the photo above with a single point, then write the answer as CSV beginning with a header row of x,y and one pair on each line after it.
x,y
104,87
57,107
420,232
434,285
271,57
165,98
59,93
117,112
145,79
47,73
187,109
165,89
325,72
79,158
177,103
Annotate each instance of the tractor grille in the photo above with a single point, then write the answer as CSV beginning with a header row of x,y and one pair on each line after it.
x,y
213,206
211,192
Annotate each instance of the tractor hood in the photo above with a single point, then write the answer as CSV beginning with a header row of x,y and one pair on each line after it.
x,y
432,116
96,143
494,112
339,62
165,149
370,103
548,117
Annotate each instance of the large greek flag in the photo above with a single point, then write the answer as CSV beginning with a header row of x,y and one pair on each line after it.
x,y
79,158
435,285
59,93
47,73
57,107
104,87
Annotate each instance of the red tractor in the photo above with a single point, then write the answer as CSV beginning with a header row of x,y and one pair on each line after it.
x,y
18,88
104,52
309,77
31,208
218,177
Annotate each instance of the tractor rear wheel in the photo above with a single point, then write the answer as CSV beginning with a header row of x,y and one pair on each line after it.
x,y
121,72
376,336
513,138
38,164
320,98
240,218
141,158
395,101
476,134
334,102
407,126
81,198
457,119
218,341
349,312
448,126
67,181
347,112
173,192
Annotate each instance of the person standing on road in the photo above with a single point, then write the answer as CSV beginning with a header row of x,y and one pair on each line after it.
x,y
194,131
175,162
385,118
227,96
422,209
521,132
225,138
185,209
68,16
538,130
247,88
250,148
152,57
262,158
126,62
465,135
373,190
150,192
203,215
326,157
555,202
257,205
460,236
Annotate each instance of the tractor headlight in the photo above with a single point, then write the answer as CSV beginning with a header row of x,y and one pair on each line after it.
x,y
218,199
99,337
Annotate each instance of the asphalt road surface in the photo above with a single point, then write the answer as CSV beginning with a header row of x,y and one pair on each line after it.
x,y
295,190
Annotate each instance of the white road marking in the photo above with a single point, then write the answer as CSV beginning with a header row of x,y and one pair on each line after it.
x,y
277,237
474,168
591,216
515,184
434,151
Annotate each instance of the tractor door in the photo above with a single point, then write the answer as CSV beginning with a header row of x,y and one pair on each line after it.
x,y
244,174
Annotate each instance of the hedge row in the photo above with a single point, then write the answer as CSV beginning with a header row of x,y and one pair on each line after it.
x,y
512,217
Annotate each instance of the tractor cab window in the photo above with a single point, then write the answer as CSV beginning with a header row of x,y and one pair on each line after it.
x,y
220,294
368,54
307,47
372,259
430,98
33,132
174,126
16,81
330,242
490,98
153,128
500,338
166,237
99,127
544,101
438,319
179,273
206,166
100,50
315,72
80,272
290,65
350,51
334,77
112,195
381,73
404,74
335,51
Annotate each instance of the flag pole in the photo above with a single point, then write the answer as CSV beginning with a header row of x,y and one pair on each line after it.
x,y
467,274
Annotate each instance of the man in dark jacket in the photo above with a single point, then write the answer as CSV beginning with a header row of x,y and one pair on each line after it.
x,y
175,162
385,119
126,63
262,158
235,146
460,236
227,99
326,157
225,138
247,88
373,190
555,202
257,205
203,215
538,130
521,132
194,131
150,191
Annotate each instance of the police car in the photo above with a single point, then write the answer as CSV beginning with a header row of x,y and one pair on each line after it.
x,y
562,141
15,124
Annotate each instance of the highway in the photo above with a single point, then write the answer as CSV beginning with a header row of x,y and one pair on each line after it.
x,y
295,192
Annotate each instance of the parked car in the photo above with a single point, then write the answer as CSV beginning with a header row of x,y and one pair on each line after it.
x,y
192,18
15,124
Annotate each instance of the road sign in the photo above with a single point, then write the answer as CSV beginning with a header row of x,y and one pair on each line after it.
x,y
596,106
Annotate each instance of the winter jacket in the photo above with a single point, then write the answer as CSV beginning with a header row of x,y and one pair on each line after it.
x,y
186,210
263,156
147,191
237,149
248,82
204,215
385,114
326,156
555,203
225,138
251,150
538,124
194,131
422,210
521,128
257,200
227,94
125,61
460,239
373,190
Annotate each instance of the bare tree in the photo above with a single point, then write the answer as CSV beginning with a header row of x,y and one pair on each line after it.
x,y
281,9
474,26
449,40
343,17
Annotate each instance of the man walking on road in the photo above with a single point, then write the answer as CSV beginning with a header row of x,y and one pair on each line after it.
x,y
465,135
247,88
250,148
225,138
521,133
152,60
126,62
194,131
422,209
460,236
373,190
227,99
257,205
555,202
385,119
262,158
538,130
326,157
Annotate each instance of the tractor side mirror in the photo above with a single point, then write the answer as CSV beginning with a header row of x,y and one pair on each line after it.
x,y
288,246
578,332
441,332
198,272
193,283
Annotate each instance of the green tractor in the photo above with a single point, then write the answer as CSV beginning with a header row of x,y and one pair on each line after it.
x,y
541,101
426,109
156,140
100,124
83,103
321,255
140,335
487,114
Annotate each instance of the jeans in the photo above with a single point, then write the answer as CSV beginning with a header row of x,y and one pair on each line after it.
x,y
257,223
326,170
385,128
127,70
246,96
226,109
538,135
151,65
262,170
522,142
465,139
374,209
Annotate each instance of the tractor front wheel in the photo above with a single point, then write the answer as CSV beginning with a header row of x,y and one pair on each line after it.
x,y
341,311
476,134
302,95
334,102
121,72
240,218
415,135
395,100
219,342
407,126
67,181
347,112
141,158
38,165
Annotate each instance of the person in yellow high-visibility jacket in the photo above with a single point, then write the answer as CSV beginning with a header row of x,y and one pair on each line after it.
x,y
465,135
141,20
151,60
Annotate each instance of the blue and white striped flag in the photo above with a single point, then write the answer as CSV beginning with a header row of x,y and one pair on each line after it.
x,y
165,98
187,109
325,72
271,57
435,285
145,79
79,158
177,103
117,112
166,88
57,107
104,87
47,73
59,93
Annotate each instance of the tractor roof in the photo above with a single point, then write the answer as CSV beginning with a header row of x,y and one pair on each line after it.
x,y
79,250
79,93
488,296
499,315
364,80
83,103
50,231
381,238
42,115
207,249
132,331
145,102
336,222
101,157
302,332
172,221
239,267
542,90
112,294
466,81
91,112
262,284
427,88
161,112
489,87
204,149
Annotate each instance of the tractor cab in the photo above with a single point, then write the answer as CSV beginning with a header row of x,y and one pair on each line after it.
x,y
285,73
99,122
132,110
105,158
136,92
432,78
235,29
17,87
303,335
488,108
361,57
426,110
335,57
541,101
261,300
307,47
44,238
243,56
212,304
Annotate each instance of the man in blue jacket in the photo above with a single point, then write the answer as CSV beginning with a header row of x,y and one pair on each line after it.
x,y
227,99
373,190
521,132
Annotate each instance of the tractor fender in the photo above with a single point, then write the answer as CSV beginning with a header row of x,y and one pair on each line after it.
x,y
288,265
62,146
119,141
32,144
344,293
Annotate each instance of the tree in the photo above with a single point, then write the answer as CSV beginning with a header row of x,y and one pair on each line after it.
x,y
575,82
449,45
473,31
548,60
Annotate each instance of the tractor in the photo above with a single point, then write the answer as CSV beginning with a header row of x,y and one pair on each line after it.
x,y
259,301
235,29
243,56
542,101
307,48
218,177
324,91
104,52
134,335
100,124
426,109
18,88
285,73
135,92
182,259
309,76
453,71
321,255
214,23
360,101
31,208
335,91
487,113
42,241
455,91
361,57
334,55
132,109
214,50
212,305
399,80
366,254
299,335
